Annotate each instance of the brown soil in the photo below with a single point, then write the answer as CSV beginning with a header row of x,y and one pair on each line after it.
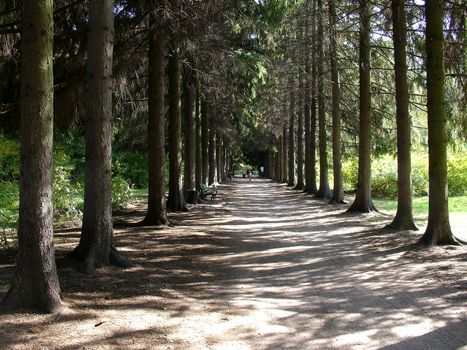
x,y
264,267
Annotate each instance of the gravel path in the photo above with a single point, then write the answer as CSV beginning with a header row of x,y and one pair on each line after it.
x,y
263,268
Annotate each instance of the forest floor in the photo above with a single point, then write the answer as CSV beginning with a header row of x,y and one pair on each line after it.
x,y
262,267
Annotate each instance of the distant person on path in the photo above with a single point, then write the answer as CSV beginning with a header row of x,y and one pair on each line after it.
x,y
248,174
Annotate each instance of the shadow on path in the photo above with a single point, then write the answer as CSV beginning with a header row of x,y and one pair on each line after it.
x,y
264,268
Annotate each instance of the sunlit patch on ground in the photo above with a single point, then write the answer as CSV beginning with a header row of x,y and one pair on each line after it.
x,y
263,267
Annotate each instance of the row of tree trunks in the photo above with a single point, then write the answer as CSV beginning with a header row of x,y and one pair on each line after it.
x,y
438,230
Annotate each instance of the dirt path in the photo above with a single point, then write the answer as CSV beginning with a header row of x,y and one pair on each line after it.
x,y
263,268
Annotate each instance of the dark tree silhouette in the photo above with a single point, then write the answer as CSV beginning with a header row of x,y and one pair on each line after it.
x,y
438,231
338,190
175,200
404,217
363,202
96,247
35,284
157,211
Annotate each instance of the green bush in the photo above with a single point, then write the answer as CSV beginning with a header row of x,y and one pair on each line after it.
x,y
67,195
350,174
457,176
121,192
131,166
9,159
384,175
9,207
384,178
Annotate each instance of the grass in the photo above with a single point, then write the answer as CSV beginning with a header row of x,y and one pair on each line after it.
x,y
139,193
420,205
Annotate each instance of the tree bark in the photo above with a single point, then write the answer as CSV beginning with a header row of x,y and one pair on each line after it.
x,y
363,202
279,160
212,156
324,191
404,217
204,143
291,143
311,185
175,201
300,183
307,109
35,284
284,154
157,210
219,147
338,190
190,147
96,247
438,231
199,157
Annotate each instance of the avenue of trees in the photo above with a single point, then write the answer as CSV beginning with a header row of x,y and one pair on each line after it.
x,y
289,86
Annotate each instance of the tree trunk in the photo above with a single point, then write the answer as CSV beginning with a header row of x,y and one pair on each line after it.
x,y
35,284
96,247
284,160
279,160
212,156
307,111
291,143
324,191
199,157
363,202
204,143
190,148
219,147
300,184
338,190
438,231
157,211
311,185
404,217
175,201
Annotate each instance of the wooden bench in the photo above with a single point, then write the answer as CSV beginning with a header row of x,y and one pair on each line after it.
x,y
205,191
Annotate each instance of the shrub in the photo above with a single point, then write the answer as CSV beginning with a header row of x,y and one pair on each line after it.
x,y
131,166
68,195
350,174
457,176
384,177
9,205
121,192
9,159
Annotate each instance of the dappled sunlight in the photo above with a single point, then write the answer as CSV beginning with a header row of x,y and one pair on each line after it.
x,y
263,268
